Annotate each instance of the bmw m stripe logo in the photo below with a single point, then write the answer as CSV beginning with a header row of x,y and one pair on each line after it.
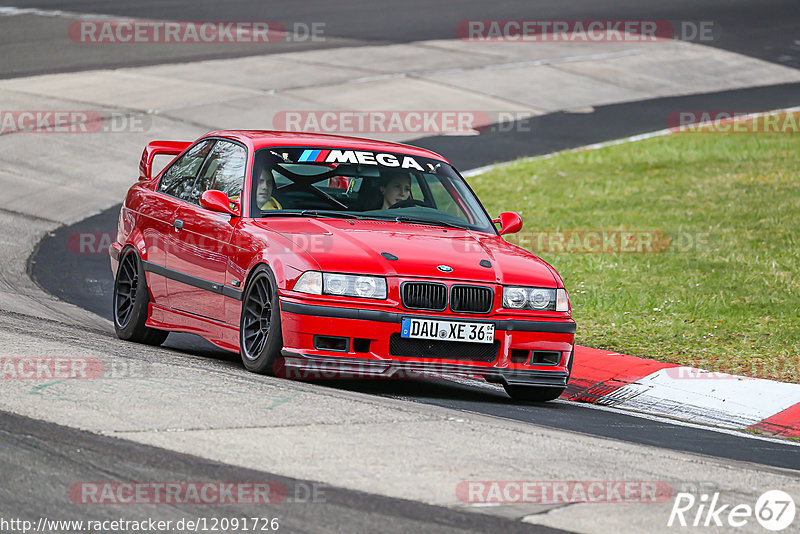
x,y
315,156
445,268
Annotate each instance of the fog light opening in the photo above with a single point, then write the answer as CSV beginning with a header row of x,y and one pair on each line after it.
x,y
542,357
360,345
519,355
338,344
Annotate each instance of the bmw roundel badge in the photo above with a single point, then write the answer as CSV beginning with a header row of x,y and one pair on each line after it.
x,y
445,268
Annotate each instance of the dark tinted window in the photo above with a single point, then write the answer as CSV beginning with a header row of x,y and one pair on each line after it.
x,y
179,179
364,184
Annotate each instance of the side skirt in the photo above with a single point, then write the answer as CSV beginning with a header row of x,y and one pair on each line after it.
x,y
223,335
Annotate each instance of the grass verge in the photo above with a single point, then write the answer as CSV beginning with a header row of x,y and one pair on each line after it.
x,y
708,274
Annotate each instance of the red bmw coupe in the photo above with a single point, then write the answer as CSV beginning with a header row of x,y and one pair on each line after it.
x,y
324,253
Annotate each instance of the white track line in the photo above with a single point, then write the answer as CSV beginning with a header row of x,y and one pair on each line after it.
x,y
624,411
20,11
695,395
679,422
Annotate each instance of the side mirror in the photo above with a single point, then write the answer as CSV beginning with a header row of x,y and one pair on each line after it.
x,y
218,201
510,222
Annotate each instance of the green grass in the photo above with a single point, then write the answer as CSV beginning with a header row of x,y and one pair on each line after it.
x,y
731,303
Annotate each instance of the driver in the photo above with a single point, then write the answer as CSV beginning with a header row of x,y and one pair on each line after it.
x,y
397,189
264,198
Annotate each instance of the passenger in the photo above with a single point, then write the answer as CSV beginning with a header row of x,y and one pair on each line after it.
x,y
264,198
397,189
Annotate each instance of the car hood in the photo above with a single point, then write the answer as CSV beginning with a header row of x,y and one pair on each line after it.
x,y
368,247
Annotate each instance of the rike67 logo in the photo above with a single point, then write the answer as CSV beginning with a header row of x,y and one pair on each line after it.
x,y
774,510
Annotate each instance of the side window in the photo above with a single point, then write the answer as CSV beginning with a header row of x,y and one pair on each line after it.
x,y
224,170
178,180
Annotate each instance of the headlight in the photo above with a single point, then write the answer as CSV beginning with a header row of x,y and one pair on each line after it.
x,y
348,285
515,297
535,298
310,282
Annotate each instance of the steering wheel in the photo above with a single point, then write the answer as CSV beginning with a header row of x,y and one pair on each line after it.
x,y
407,203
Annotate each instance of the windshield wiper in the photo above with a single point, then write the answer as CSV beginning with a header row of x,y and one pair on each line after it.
x,y
345,215
310,213
330,214
423,220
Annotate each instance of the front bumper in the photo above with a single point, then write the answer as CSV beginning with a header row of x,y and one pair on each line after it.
x,y
369,332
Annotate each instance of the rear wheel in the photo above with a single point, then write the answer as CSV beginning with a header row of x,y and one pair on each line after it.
x,y
131,299
538,394
260,336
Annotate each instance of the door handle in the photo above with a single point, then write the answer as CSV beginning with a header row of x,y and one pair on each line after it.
x,y
178,224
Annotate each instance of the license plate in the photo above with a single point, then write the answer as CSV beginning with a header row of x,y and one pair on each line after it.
x,y
447,330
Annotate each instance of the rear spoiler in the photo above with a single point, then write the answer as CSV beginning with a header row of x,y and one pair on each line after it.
x,y
156,148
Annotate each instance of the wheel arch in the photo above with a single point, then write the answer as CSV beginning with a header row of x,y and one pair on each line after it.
x,y
132,248
283,272
252,270
135,241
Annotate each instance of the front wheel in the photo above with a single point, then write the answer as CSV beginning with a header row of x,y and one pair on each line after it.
x,y
260,336
533,393
131,299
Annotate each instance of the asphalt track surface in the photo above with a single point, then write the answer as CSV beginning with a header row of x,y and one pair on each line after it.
x,y
51,453
762,29
41,461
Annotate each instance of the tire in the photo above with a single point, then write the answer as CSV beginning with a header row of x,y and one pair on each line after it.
x,y
130,303
260,335
538,394
533,393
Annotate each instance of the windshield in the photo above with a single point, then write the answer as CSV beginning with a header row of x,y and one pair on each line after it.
x,y
363,184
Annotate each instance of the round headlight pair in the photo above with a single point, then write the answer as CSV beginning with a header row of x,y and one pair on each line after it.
x,y
350,285
535,298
